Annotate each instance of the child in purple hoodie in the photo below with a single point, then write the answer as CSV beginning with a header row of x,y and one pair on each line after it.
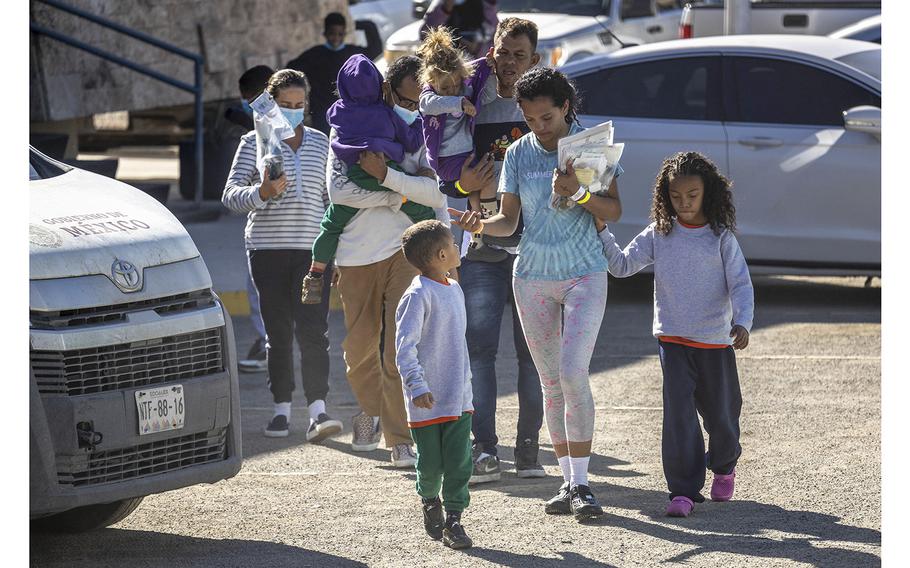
x,y
361,121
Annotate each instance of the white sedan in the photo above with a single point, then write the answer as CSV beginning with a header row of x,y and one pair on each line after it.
x,y
794,121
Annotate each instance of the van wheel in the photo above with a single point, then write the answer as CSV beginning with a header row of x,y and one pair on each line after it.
x,y
87,518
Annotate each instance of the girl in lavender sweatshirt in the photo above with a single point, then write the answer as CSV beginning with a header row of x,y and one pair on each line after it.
x,y
703,306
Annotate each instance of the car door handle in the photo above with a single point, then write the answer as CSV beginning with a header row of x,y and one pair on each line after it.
x,y
761,142
654,29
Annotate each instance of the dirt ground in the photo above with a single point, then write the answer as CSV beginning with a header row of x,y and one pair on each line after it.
x,y
808,483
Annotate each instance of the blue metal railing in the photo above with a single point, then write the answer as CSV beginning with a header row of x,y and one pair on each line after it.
x,y
198,62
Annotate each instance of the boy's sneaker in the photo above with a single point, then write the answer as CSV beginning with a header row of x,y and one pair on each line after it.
x,y
486,469
722,486
680,507
433,518
403,456
366,436
584,505
311,290
256,360
454,537
323,427
526,464
278,427
560,503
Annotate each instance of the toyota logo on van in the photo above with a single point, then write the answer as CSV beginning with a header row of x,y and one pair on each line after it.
x,y
126,276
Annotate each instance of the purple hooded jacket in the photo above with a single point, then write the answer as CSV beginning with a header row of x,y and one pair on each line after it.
x,y
362,121
434,126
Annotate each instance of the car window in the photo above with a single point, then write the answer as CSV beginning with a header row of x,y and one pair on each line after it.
x,y
785,92
574,8
676,88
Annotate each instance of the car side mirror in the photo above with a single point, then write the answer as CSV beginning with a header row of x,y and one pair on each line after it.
x,y
864,118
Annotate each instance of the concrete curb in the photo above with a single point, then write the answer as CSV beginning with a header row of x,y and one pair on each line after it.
x,y
238,303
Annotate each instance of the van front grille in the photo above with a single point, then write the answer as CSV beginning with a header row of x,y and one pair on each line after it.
x,y
166,305
148,459
129,365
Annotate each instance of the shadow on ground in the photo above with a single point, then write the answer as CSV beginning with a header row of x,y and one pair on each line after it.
x,y
143,548
744,528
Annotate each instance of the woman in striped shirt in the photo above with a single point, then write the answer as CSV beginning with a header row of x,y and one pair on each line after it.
x,y
283,218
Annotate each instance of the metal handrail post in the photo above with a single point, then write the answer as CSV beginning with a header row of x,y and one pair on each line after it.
x,y
197,59
199,146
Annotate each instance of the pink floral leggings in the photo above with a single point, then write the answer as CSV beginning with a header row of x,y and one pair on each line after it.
x,y
560,319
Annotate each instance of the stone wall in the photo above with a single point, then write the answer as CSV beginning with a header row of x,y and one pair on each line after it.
x,y
233,35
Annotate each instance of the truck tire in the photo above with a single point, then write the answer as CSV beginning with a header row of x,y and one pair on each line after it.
x,y
87,518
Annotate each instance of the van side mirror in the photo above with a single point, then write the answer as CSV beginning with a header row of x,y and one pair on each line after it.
x,y
864,118
638,9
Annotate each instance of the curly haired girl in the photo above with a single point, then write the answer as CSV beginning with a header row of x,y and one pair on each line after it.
x,y
703,306
455,88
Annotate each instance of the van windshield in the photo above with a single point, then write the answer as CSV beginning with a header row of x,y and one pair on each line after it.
x,y
42,167
572,7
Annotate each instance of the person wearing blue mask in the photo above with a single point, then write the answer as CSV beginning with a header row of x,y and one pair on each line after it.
x,y
321,64
238,120
282,221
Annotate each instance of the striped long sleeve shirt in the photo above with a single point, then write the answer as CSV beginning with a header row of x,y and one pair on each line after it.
x,y
290,220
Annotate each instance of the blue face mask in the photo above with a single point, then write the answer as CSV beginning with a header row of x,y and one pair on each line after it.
x,y
341,46
408,116
246,107
294,115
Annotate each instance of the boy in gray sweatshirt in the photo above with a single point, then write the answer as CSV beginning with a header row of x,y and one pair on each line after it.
x,y
432,358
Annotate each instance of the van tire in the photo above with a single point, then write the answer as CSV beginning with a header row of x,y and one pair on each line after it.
x,y
90,517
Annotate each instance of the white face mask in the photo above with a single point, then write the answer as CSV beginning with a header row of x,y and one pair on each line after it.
x,y
408,116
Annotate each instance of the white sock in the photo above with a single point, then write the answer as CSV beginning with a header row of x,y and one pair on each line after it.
x,y
283,408
316,407
482,455
375,421
580,470
566,468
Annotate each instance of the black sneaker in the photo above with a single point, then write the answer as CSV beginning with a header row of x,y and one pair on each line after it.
x,y
559,504
256,360
454,537
433,518
526,464
486,469
584,505
278,427
321,428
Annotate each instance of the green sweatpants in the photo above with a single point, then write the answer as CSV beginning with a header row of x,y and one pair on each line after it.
x,y
337,217
444,461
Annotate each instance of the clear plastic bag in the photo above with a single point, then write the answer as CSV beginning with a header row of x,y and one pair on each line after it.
x,y
596,159
271,128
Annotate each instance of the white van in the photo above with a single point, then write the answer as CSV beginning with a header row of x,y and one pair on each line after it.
x,y
570,31
133,374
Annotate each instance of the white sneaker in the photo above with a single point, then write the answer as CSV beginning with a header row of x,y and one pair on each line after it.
x,y
403,456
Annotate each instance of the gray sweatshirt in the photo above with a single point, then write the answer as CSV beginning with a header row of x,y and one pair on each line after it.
x,y
702,286
431,350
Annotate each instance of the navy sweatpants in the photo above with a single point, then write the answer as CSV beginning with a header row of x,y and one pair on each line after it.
x,y
698,381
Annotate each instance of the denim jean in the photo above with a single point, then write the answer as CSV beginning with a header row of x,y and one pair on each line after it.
x,y
487,287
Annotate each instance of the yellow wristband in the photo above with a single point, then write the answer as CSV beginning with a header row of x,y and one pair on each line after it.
x,y
404,199
460,190
584,199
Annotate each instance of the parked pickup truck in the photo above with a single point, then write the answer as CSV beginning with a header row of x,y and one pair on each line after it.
x,y
811,17
133,373
568,31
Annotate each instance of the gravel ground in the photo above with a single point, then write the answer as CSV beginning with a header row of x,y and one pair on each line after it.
x,y
808,484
